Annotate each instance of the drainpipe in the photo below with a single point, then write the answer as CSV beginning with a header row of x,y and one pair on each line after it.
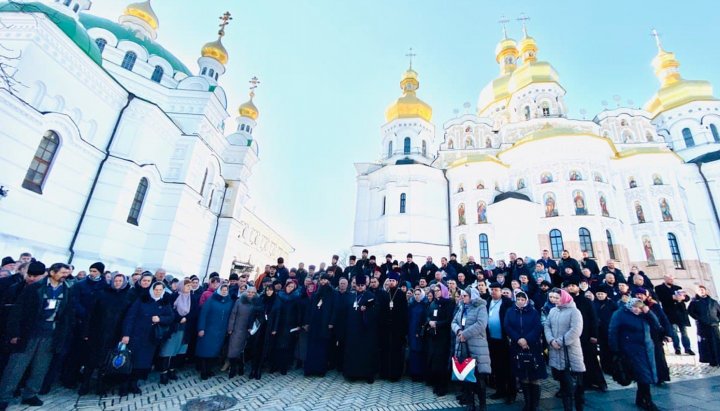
x,y
71,248
217,225
710,195
449,212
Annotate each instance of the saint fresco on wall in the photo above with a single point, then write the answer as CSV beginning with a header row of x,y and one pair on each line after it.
x,y
579,201
546,177
649,253
461,214
481,212
639,212
603,206
550,208
521,183
575,176
665,210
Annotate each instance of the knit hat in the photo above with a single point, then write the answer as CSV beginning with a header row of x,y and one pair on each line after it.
x,y
360,279
36,268
98,266
7,260
570,282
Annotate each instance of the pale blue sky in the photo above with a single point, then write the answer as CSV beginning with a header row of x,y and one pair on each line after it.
x,y
329,68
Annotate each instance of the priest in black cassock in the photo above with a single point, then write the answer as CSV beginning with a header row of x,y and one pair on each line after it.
x,y
362,338
320,320
393,318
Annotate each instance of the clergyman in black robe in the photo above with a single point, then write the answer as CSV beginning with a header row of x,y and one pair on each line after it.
x,y
360,362
393,319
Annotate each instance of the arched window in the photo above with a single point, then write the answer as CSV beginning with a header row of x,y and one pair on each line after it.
x,y
204,71
137,203
403,200
76,8
390,153
129,60
611,245
406,145
202,186
675,251
67,2
242,127
688,137
527,112
216,75
586,241
41,162
545,109
383,205
484,249
715,134
101,43
424,148
211,73
556,243
157,74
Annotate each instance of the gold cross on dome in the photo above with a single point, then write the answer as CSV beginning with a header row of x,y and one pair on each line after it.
x,y
410,55
225,19
504,21
524,18
254,84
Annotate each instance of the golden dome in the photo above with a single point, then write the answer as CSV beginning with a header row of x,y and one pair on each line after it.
x,y
409,105
528,50
674,90
506,47
144,12
248,109
216,50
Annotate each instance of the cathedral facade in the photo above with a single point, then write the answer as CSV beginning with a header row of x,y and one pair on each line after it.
x,y
114,150
639,186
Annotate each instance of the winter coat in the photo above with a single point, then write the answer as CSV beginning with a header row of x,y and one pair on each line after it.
x,y
139,327
676,311
564,325
104,324
214,317
572,263
238,325
706,312
592,265
87,293
525,323
29,310
438,338
475,315
619,276
285,317
632,335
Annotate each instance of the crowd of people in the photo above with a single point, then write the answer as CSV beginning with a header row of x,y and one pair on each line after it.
x,y
521,321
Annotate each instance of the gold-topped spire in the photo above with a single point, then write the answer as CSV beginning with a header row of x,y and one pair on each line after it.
x,y
409,105
248,108
674,90
528,46
215,49
143,11
506,52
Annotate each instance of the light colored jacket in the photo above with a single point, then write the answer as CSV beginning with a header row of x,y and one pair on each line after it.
x,y
476,319
564,325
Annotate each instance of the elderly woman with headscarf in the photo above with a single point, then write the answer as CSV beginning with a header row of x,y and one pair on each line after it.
x,y
524,328
212,328
103,328
440,315
630,335
149,311
417,315
470,326
177,343
239,327
563,327
141,288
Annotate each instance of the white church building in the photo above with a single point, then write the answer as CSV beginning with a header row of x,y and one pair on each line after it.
x,y
636,185
112,149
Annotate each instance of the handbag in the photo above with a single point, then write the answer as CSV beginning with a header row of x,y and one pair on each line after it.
x,y
526,360
159,333
118,361
463,365
620,372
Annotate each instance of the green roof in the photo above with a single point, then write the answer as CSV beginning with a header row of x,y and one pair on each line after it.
x,y
91,21
67,24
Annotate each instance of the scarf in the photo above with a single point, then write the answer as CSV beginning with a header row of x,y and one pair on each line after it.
x,y
444,292
182,303
565,297
152,295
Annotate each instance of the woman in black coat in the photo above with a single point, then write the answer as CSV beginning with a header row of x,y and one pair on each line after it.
x,y
438,330
262,338
706,312
285,324
103,329
147,312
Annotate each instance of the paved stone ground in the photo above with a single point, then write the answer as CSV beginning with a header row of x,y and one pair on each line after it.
x,y
294,392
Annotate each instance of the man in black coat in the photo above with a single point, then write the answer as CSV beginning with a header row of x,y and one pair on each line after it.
x,y
343,302
611,269
590,264
360,361
673,299
319,323
604,307
428,269
593,377
393,319
505,385
386,268
547,261
39,326
567,261
410,271
455,264
364,261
